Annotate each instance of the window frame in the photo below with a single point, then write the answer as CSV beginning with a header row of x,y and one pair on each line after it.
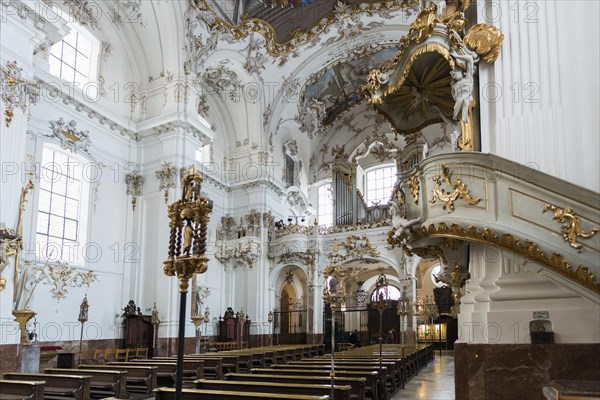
x,y
322,185
94,57
75,254
366,179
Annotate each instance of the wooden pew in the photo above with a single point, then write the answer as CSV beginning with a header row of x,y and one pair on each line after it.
x,y
384,373
102,380
372,384
21,390
341,392
70,386
357,385
229,363
166,371
140,378
200,394
212,366
394,370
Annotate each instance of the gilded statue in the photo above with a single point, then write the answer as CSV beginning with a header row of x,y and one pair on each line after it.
x,y
188,235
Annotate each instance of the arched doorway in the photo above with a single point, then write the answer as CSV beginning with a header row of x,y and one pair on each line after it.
x,y
290,313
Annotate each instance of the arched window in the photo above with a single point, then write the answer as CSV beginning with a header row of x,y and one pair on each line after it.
x,y
325,205
62,206
75,57
393,293
379,184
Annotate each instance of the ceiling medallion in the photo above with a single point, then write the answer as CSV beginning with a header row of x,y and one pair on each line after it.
x,y
298,37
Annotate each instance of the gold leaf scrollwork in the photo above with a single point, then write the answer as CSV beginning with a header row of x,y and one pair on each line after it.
x,y
572,225
460,191
485,40
526,248
414,186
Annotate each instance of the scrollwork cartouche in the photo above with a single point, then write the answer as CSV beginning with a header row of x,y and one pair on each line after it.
x,y
571,229
414,186
460,191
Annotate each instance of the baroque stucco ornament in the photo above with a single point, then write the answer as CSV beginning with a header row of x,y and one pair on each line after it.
x,y
69,136
571,229
17,92
448,198
166,176
134,182
343,17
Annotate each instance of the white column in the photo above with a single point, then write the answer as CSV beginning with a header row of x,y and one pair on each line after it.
x,y
539,100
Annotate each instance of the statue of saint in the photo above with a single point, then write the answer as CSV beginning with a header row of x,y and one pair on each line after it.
x,y
400,223
462,86
188,235
25,286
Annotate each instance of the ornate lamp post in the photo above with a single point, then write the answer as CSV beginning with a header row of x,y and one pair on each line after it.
x,y
334,294
403,307
155,322
83,317
198,320
270,319
383,303
360,297
431,313
187,247
206,319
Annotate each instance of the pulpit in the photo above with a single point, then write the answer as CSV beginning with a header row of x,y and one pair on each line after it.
x,y
234,327
138,329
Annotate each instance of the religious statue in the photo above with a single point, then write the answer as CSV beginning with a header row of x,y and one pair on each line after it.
x,y
83,310
188,235
462,86
26,284
154,319
130,310
400,223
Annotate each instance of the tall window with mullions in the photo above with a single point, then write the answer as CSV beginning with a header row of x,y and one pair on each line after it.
x,y
62,205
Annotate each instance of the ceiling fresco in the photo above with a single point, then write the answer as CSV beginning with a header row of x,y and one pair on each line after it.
x,y
336,89
285,27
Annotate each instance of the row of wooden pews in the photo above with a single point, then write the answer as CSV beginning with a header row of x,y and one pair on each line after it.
x,y
279,372
241,362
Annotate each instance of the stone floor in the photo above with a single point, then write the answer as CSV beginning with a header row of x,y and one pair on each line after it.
x,y
434,382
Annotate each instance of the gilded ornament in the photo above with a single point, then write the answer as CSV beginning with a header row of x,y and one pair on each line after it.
x,y
188,219
247,26
485,40
582,275
460,191
423,25
414,186
572,225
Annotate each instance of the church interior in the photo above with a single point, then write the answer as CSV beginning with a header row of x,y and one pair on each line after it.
x,y
349,199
